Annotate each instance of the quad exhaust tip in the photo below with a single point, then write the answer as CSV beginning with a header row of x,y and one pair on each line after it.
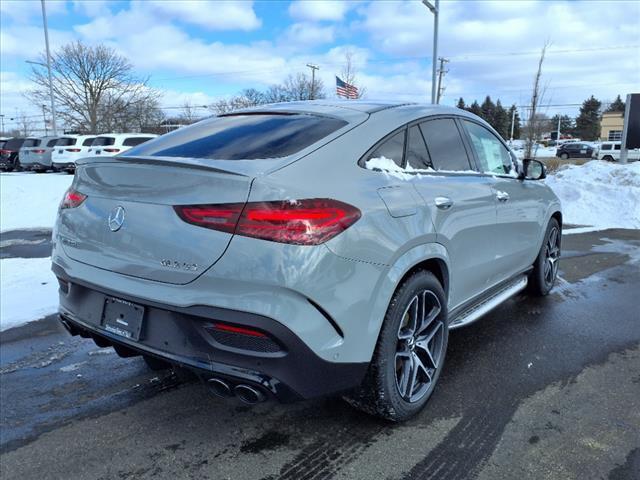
x,y
248,394
219,387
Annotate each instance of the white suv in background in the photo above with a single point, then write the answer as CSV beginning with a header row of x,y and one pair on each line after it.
x,y
110,144
68,149
610,151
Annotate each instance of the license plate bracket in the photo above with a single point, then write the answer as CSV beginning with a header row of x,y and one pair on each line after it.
x,y
122,318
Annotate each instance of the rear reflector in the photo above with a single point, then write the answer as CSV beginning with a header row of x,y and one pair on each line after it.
x,y
72,149
37,150
240,330
300,222
72,199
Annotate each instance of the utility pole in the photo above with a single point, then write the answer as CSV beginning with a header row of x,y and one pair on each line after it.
x,y
2,123
46,41
313,79
513,123
558,131
441,73
436,11
44,120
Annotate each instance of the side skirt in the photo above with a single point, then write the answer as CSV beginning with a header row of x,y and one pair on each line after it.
x,y
468,314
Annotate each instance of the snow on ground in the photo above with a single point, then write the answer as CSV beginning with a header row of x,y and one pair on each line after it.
x,y
29,290
599,194
29,200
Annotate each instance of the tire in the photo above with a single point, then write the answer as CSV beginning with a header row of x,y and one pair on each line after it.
x,y
608,158
156,364
545,267
401,349
564,156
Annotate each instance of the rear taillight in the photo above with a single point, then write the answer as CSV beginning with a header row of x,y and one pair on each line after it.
x,y
72,149
72,199
5,152
300,222
111,150
37,150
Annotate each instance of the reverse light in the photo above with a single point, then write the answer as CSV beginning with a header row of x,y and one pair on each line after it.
x,y
72,199
299,222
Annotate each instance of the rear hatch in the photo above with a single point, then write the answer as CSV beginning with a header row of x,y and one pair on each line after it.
x,y
152,242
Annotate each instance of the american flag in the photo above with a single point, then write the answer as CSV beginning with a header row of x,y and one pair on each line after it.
x,y
343,89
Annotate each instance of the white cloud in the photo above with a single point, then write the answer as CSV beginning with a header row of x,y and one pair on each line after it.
x,y
209,14
307,10
304,35
23,11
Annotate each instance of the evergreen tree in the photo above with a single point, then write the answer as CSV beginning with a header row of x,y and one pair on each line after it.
x,y
516,122
588,122
616,106
475,109
501,120
566,124
461,104
488,109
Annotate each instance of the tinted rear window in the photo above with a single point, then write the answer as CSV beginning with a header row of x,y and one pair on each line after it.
x,y
31,142
52,143
445,145
134,141
14,144
238,137
66,142
88,141
606,147
103,141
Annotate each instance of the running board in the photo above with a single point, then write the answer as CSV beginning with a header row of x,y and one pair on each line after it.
x,y
476,311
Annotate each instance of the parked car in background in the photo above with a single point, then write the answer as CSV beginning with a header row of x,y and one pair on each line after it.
x,y
9,154
4,140
305,249
68,149
35,154
574,150
610,151
110,144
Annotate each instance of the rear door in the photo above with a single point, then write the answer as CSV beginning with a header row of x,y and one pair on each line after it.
x,y
461,203
520,210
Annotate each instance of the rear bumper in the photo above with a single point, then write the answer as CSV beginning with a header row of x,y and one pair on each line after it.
x,y
35,166
183,336
64,165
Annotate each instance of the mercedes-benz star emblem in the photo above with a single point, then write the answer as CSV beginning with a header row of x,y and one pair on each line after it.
x,y
116,218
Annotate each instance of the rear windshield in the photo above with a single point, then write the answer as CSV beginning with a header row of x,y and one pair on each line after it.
x,y
66,142
31,142
134,141
14,144
52,143
103,141
242,137
88,141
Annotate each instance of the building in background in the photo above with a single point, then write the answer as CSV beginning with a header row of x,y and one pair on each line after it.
x,y
611,126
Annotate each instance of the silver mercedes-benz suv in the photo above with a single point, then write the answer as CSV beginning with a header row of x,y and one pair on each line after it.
x,y
305,249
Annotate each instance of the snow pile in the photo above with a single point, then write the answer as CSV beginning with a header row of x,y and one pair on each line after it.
x,y
391,168
29,290
29,200
599,194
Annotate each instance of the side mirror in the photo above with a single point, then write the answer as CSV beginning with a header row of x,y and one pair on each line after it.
x,y
533,169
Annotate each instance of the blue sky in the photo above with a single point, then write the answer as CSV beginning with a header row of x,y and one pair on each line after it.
x,y
200,51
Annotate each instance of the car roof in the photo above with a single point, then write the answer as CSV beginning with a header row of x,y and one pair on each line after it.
x,y
352,110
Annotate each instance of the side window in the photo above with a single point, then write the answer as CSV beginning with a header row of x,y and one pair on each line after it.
x,y
492,154
417,154
391,149
445,145
617,146
606,146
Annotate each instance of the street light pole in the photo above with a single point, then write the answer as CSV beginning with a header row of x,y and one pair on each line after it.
x,y
436,11
46,41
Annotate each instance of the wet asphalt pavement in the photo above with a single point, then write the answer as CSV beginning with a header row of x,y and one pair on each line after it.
x,y
540,388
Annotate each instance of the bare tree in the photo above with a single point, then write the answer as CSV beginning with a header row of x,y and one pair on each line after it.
x,y
24,125
95,89
189,113
299,87
535,124
349,73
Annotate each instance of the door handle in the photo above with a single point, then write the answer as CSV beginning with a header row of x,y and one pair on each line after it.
x,y
502,196
443,203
